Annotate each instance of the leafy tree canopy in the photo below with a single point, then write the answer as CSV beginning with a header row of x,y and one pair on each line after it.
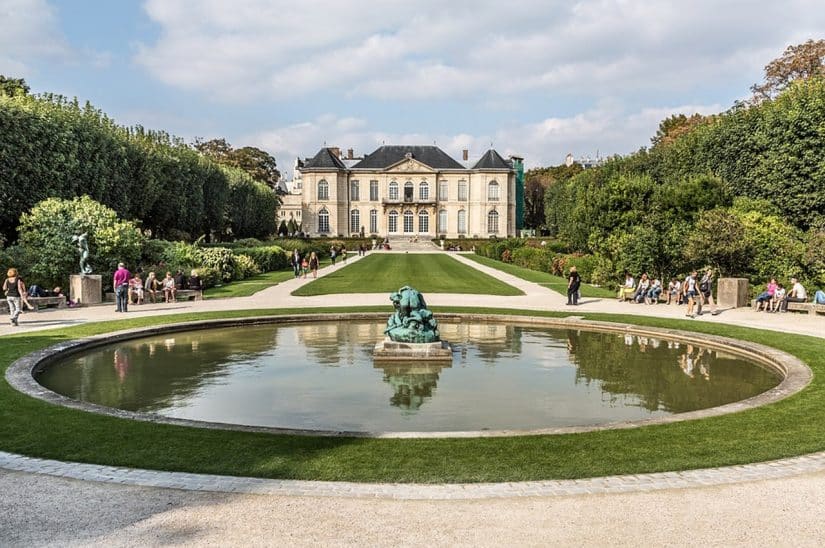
x,y
796,63
258,164
13,86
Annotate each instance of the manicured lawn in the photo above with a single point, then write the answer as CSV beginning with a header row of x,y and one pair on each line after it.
x,y
250,286
386,272
790,427
556,283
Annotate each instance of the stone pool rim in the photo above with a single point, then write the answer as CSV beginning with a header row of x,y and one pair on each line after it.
x,y
795,374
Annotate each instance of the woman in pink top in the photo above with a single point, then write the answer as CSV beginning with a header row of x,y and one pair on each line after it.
x,y
764,298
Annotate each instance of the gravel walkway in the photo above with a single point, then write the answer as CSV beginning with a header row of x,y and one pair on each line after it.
x,y
780,508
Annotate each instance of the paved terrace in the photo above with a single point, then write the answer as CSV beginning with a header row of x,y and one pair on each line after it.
x,y
47,502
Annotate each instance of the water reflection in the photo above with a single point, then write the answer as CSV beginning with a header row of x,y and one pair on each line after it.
x,y
412,384
322,376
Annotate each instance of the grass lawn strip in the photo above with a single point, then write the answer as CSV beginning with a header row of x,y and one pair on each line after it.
x,y
791,427
250,286
384,273
556,283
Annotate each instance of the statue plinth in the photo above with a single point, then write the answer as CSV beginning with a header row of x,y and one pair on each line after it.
x,y
86,289
412,331
389,350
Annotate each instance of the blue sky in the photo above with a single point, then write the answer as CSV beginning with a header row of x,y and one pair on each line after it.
x,y
537,78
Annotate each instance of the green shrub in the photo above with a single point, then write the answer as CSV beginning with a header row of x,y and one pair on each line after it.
x,y
219,258
586,265
534,258
46,237
268,258
245,266
180,255
210,277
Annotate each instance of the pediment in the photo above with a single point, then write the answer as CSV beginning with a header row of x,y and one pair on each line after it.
x,y
409,165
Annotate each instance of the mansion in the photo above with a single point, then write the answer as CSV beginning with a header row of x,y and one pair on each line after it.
x,y
404,191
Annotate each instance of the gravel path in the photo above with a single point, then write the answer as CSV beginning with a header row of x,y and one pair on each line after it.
x,y
37,510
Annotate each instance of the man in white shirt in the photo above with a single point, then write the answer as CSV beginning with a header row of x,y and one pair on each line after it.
x,y
797,294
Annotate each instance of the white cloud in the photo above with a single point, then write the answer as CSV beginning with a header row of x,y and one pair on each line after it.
x,y
249,49
28,31
606,128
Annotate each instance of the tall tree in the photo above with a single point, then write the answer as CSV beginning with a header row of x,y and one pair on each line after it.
x,y
258,164
796,63
13,86
671,128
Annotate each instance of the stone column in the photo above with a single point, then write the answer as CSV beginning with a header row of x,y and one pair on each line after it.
x,y
732,292
86,289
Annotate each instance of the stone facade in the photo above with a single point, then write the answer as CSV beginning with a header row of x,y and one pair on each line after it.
x,y
404,191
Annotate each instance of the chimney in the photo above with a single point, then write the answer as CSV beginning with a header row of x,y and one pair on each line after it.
x,y
349,154
336,151
465,154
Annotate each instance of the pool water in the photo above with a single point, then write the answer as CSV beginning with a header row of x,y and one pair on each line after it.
x,y
322,376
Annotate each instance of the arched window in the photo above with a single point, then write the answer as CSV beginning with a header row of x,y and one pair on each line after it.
x,y
462,191
323,190
373,221
462,221
423,191
442,221
492,222
323,221
408,221
409,191
423,222
492,191
393,219
354,221
394,191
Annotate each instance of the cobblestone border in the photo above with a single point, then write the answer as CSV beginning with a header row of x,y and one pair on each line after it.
x,y
796,374
778,469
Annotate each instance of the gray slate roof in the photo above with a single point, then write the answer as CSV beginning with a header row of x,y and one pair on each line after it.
x,y
492,160
388,155
325,159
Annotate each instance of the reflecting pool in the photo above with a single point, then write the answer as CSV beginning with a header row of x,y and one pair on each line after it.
x,y
322,376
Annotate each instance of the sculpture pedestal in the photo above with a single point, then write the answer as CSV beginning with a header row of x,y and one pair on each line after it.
x,y
389,350
732,292
86,289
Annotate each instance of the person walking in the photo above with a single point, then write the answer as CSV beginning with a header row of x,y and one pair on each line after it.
x,y
706,293
344,253
333,253
120,283
14,289
691,292
295,261
573,284
313,264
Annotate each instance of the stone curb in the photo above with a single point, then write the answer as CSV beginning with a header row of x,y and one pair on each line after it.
x,y
778,469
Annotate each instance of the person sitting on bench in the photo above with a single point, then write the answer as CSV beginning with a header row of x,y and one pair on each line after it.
x,y
797,294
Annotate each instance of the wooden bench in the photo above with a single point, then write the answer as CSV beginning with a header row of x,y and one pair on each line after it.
x,y
811,308
181,294
37,303
186,294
